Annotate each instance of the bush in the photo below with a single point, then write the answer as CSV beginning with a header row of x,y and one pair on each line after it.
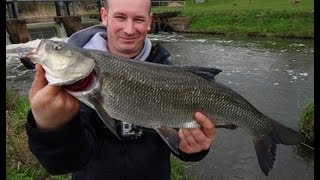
x,y
306,123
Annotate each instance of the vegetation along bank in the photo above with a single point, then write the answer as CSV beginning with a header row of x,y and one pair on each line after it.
x,y
278,18
306,123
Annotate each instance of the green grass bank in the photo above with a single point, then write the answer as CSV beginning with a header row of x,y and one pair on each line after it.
x,y
20,163
278,18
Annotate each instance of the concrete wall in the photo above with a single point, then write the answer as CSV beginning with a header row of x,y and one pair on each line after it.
x,y
71,24
7,38
17,31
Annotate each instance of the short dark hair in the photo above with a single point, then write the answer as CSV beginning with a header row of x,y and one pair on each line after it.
x,y
106,4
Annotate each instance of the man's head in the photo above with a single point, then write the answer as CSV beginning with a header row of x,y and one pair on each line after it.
x,y
128,23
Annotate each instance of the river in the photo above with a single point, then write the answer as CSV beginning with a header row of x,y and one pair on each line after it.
x,y
275,75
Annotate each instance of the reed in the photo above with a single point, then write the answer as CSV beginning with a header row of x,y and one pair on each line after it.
x,y
306,123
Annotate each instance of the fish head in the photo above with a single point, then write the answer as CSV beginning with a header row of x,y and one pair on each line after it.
x,y
63,63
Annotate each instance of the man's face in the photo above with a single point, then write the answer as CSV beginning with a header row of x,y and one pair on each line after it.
x,y
128,23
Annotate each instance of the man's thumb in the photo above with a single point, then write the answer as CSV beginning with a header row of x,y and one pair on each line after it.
x,y
39,80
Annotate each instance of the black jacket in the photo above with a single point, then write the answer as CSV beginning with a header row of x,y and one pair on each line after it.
x,y
86,148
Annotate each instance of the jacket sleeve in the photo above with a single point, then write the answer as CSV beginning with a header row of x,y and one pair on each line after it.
x,y
191,157
62,151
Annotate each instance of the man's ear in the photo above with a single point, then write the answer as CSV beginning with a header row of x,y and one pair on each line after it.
x,y
150,21
104,16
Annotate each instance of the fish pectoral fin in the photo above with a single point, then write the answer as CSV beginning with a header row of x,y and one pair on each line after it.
x,y
227,126
170,137
104,116
204,72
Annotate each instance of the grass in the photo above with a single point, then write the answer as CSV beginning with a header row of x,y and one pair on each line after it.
x,y
177,169
20,163
32,173
17,151
279,18
306,123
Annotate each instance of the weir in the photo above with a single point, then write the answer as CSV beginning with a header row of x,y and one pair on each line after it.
x,y
46,30
63,23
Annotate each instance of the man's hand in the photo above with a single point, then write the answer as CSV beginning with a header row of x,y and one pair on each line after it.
x,y
197,139
51,106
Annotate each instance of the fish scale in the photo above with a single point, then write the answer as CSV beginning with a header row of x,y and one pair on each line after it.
x,y
174,104
162,97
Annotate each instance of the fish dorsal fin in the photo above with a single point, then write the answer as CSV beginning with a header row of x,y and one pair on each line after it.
x,y
170,137
204,72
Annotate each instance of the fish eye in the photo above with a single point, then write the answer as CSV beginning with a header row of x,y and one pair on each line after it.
x,y
56,47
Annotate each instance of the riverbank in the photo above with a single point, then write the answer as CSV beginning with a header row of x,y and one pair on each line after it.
x,y
277,18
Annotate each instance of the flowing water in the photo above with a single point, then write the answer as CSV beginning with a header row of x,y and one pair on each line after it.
x,y
275,75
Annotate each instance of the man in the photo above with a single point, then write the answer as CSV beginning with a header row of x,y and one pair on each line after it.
x,y
68,136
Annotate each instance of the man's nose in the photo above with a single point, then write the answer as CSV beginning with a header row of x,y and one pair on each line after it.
x,y
129,27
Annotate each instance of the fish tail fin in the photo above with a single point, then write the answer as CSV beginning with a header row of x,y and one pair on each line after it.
x,y
267,145
285,135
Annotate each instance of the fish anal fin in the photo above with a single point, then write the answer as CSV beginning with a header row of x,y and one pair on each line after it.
x,y
170,137
204,72
104,116
227,126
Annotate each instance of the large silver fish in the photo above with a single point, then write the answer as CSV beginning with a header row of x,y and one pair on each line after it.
x,y
157,96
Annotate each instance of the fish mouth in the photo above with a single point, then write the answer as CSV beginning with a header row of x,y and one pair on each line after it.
x,y
83,84
31,55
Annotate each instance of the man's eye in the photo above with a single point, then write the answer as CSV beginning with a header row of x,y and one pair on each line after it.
x,y
120,17
140,20
56,47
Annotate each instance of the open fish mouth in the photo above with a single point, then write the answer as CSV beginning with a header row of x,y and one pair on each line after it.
x,y
31,55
